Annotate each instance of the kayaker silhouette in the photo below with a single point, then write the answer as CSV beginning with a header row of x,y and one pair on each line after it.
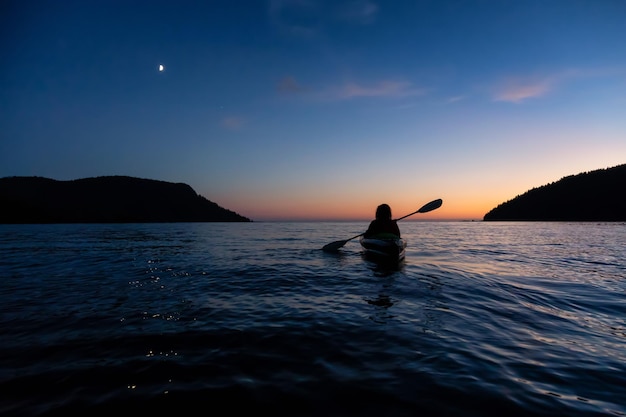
x,y
383,226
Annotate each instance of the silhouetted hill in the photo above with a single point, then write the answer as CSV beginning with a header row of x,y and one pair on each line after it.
x,y
112,199
590,196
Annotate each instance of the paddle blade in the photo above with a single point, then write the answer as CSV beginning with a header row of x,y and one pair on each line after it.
x,y
435,204
334,246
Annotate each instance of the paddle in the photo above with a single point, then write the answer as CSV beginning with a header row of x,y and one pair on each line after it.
x,y
435,204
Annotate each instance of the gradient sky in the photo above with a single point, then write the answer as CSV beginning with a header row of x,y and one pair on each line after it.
x,y
316,109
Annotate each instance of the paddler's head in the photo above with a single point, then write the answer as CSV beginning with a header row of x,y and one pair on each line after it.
x,y
383,212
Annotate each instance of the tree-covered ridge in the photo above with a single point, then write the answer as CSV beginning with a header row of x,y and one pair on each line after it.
x,y
108,199
598,195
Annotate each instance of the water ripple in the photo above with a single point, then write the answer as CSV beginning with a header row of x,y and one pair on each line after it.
x,y
481,319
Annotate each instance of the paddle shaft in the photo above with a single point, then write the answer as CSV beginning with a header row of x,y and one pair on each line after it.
x,y
417,211
435,204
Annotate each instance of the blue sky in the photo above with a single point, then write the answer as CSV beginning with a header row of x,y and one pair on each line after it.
x,y
305,109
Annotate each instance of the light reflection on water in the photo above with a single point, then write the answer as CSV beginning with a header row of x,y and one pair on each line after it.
x,y
481,318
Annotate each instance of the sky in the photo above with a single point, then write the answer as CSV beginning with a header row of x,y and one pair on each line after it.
x,y
316,109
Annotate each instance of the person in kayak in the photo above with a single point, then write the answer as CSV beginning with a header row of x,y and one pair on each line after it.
x,y
383,225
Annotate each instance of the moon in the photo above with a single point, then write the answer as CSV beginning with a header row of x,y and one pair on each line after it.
x,y
161,68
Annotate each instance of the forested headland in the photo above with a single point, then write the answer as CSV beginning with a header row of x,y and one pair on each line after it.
x,y
589,196
108,199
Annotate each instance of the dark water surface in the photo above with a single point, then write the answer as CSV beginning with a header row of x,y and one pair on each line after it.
x,y
482,319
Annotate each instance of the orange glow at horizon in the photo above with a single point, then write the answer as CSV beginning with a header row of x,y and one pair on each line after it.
x,y
465,197
363,210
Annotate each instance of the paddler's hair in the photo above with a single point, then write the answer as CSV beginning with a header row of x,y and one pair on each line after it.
x,y
383,212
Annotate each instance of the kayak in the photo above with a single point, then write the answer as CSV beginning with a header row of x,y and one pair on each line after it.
x,y
383,249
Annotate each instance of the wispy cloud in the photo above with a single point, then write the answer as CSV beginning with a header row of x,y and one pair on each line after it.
x,y
351,90
310,18
518,90
290,85
232,122
295,17
358,11
455,99
382,89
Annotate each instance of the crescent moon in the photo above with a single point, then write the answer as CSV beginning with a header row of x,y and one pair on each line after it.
x,y
161,68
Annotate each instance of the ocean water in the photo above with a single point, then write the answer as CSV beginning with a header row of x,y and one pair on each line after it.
x,y
481,319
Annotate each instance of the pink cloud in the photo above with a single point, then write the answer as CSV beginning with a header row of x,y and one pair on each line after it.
x,y
516,91
381,89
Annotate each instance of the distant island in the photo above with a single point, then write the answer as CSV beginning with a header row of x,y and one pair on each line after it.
x,y
108,199
590,196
